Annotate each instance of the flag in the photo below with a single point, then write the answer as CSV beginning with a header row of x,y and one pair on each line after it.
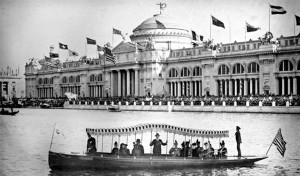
x,y
251,28
99,48
277,10
63,46
160,25
279,142
90,41
72,53
109,57
116,31
217,22
297,20
194,35
53,55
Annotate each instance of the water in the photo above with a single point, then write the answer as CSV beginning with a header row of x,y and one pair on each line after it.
x,y
25,139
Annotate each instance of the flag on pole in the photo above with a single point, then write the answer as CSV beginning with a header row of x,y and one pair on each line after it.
x,y
99,48
72,53
279,142
53,55
63,46
217,22
251,28
90,41
109,57
194,35
297,20
277,10
116,31
160,25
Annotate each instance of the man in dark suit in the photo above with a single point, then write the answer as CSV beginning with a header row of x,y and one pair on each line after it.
x,y
91,144
157,145
238,140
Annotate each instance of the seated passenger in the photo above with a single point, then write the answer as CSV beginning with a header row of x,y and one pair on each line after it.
x,y
199,149
185,149
115,150
91,144
138,149
222,152
175,151
192,150
208,152
123,150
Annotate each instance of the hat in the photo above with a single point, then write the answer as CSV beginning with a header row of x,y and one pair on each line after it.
x,y
157,134
123,144
237,127
222,143
116,143
205,143
138,141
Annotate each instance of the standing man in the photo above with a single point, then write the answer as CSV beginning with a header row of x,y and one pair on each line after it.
x,y
238,140
157,145
91,144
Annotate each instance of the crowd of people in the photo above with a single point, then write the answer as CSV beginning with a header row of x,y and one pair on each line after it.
x,y
186,150
294,100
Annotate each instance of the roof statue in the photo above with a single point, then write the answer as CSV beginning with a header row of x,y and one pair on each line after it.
x,y
162,6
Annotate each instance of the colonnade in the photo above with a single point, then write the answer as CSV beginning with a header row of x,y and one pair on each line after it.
x,y
288,85
238,87
124,82
185,88
96,90
45,92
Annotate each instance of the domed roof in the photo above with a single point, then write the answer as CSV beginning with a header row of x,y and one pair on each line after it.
x,y
167,21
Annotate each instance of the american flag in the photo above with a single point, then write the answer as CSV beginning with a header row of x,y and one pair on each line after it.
x,y
279,142
109,56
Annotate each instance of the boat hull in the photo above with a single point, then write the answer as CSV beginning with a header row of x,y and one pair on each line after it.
x,y
9,113
59,161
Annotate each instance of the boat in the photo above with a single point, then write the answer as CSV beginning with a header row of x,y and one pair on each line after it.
x,y
106,161
45,106
114,108
6,112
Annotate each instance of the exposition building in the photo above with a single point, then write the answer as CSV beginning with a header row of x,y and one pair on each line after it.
x,y
164,61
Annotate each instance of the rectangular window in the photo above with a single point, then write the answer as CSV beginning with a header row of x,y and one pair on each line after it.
x,y
254,46
244,47
296,41
286,42
232,48
248,47
239,47
224,49
194,52
291,42
228,48
258,45
199,51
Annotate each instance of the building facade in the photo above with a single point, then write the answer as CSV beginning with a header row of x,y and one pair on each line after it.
x,y
11,84
162,60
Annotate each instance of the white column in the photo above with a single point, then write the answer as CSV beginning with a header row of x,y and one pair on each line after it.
x,y
241,88
191,88
171,86
245,87
230,87
111,84
295,91
235,87
179,88
200,88
289,85
136,82
226,87
282,85
119,83
256,86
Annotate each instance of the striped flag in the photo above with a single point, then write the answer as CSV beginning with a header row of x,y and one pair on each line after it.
x,y
251,28
116,31
63,46
109,57
277,10
279,142
297,20
217,22
90,41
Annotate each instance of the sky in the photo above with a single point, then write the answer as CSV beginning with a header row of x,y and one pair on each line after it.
x,y
29,27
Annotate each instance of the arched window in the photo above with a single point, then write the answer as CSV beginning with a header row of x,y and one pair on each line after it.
x,y
92,78
197,71
45,80
285,65
40,81
223,70
173,73
78,78
71,79
185,72
64,79
253,67
100,77
51,80
238,69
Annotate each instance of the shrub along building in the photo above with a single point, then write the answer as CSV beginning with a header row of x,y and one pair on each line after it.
x,y
161,59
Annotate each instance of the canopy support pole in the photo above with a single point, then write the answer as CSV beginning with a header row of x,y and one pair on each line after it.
x,y
142,138
150,143
112,141
167,144
173,138
97,141
127,140
184,146
102,144
117,146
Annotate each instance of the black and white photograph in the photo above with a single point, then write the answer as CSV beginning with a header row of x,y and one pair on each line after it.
x,y
149,87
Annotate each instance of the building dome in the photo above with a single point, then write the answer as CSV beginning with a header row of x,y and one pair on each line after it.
x,y
164,32
167,21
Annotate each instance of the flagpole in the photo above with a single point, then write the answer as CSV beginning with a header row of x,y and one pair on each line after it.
x,y
245,36
294,29
85,47
269,17
52,136
230,36
210,28
272,143
112,38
